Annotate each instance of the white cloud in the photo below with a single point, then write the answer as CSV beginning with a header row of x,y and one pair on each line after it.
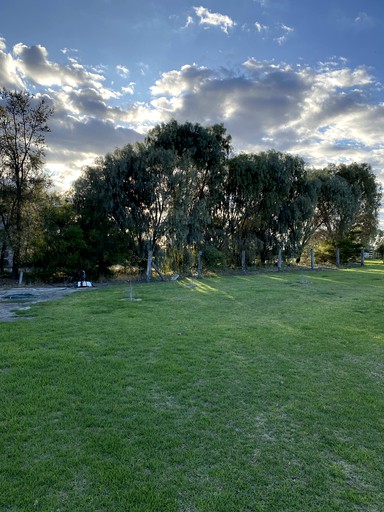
x,y
322,113
260,27
326,113
284,36
362,21
9,76
122,71
129,89
188,23
34,64
174,83
214,19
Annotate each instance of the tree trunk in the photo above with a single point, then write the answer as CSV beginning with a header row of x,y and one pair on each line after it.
x,y
16,262
149,265
2,257
243,267
200,265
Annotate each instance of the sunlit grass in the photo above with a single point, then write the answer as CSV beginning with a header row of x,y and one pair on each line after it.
x,y
243,393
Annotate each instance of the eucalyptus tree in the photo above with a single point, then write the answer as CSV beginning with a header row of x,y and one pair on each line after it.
x,y
23,125
245,188
269,199
196,182
167,190
92,202
59,247
365,187
123,201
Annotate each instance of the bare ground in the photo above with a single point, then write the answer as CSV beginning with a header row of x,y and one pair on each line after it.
x,y
14,299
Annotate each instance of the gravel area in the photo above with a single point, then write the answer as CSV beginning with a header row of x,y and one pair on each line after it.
x,y
21,299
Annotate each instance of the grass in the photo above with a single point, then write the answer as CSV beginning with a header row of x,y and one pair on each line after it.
x,y
244,393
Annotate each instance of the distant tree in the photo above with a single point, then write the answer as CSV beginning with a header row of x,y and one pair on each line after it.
x,y
269,199
348,205
165,191
58,249
379,244
94,201
365,187
23,125
196,182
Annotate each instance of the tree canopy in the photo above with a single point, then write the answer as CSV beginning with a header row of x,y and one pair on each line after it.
x,y
23,125
180,192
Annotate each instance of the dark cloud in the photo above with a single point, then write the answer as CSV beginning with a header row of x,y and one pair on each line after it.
x,y
90,136
33,62
325,114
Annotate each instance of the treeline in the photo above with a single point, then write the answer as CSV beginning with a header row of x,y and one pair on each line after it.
x,y
179,192
182,191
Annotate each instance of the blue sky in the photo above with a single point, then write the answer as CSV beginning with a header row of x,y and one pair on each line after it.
x,y
301,76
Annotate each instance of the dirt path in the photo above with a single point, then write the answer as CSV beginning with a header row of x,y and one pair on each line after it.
x,y
21,299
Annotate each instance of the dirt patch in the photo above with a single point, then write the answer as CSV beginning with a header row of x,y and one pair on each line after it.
x,y
13,300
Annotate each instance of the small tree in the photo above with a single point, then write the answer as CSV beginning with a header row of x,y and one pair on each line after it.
x,y
23,125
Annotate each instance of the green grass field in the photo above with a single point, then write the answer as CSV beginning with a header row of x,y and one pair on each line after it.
x,y
262,392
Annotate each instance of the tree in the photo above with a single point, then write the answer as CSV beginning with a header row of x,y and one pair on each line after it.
x,y
365,187
104,231
196,182
58,248
165,191
269,198
347,208
23,125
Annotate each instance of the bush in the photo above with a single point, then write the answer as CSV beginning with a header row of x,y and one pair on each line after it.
x,y
213,258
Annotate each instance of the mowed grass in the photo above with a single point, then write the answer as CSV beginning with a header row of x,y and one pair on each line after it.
x,y
261,392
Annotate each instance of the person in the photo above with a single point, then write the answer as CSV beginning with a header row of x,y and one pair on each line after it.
x,y
82,277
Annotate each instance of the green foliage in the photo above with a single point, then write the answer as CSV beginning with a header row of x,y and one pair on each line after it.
x,y
23,125
179,192
349,250
60,251
214,259
379,243
270,198
348,203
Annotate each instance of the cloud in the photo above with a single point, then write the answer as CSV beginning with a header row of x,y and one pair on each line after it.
x,y
187,79
122,71
33,63
278,32
214,19
362,21
9,76
260,27
188,23
325,113
286,31
312,111
129,89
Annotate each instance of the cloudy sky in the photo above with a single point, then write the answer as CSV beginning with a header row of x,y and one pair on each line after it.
x,y
302,76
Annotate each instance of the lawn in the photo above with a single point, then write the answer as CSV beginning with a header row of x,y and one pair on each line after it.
x,y
260,392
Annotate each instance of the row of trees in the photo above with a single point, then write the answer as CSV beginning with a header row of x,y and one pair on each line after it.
x,y
180,191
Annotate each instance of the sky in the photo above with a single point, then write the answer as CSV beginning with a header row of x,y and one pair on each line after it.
x,y
300,76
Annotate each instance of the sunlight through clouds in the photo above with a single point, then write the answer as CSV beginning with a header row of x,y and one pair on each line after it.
x,y
305,81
